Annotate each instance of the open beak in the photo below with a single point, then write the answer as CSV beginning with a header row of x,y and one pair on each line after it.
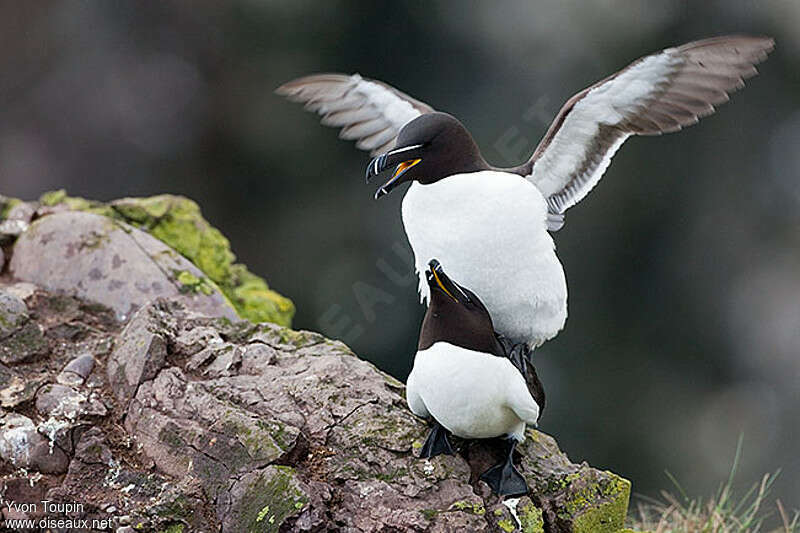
x,y
404,158
437,279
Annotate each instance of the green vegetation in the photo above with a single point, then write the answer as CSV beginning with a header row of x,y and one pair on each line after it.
x,y
6,205
474,508
725,512
530,518
601,506
271,498
506,525
178,223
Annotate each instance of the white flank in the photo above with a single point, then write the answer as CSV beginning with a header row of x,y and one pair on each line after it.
x,y
472,394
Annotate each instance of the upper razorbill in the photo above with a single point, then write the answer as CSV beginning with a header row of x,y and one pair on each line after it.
x,y
470,383
504,213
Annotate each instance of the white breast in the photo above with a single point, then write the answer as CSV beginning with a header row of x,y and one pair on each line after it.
x,y
489,231
472,394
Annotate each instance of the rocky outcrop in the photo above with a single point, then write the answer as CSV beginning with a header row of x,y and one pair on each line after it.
x,y
110,262
194,258
178,421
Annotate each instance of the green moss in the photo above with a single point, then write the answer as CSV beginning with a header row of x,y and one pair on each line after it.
x,y
26,342
12,321
174,528
395,474
298,339
506,525
393,382
177,508
601,506
255,301
261,441
429,514
262,513
7,204
51,198
143,210
474,508
54,198
530,518
191,283
178,222
269,501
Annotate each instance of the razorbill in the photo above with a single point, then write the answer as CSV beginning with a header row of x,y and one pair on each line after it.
x,y
458,203
470,382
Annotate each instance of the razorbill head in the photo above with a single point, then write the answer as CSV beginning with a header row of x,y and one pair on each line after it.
x,y
490,225
431,147
466,381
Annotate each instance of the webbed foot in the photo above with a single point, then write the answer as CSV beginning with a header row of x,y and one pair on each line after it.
x,y
437,442
504,478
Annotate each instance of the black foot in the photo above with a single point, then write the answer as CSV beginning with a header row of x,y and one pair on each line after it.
x,y
437,442
504,478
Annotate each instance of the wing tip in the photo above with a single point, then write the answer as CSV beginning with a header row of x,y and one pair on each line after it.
x,y
296,84
765,41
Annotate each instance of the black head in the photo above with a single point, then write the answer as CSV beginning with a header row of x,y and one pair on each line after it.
x,y
429,148
456,315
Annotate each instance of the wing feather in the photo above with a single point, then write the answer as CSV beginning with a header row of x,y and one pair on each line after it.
x,y
660,93
368,111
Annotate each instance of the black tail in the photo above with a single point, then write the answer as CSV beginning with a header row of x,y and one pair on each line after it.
x,y
521,356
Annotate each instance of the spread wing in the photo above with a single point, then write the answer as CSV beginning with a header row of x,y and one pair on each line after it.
x,y
368,111
656,94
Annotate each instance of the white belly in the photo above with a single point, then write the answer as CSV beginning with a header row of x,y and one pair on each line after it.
x,y
468,392
489,231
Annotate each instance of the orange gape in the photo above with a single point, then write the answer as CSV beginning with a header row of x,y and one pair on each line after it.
x,y
404,165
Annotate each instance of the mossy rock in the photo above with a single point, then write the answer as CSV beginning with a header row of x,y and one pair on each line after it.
x,y
7,204
266,499
178,223
570,496
601,506
530,518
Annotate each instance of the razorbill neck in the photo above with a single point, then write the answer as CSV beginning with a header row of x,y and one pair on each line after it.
x,y
458,203
469,382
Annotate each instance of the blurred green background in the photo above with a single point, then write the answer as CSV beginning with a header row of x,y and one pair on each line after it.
x,y
683,265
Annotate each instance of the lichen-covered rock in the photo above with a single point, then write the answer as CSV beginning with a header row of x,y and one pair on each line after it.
x,y
23,211
107,261
577,498
23,446
24,344
13,313
60,401
222,426
178,222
